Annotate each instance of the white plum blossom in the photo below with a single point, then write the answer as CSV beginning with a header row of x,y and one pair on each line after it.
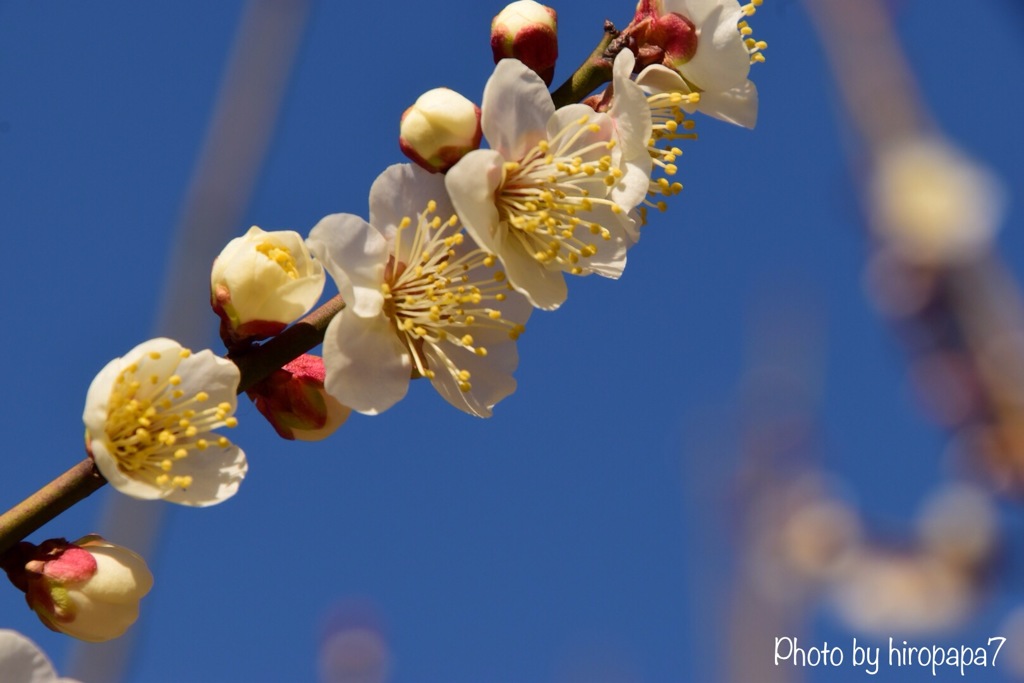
x,y
149,419
554,192
421,300
669,94
710,62
263,281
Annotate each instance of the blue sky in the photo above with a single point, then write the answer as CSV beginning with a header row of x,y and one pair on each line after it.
x,y
586,527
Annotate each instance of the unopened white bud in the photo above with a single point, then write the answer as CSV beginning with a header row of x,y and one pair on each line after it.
x,y
439,129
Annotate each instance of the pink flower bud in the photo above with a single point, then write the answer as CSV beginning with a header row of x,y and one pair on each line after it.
x,y
89,589
439,129
261,282
294,401
527,31
666,38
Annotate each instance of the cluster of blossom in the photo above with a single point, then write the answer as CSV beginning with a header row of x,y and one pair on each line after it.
x,y
460,247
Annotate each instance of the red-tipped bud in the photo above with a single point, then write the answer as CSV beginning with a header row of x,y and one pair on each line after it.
x,y
527,31
439,129
294,401
89,589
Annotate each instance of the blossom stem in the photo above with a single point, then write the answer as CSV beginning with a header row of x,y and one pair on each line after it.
x,y
259,363
594,71
84,479
76,484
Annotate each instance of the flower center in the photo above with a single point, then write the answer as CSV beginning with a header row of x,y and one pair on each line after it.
x,y
543,194
281,256
151,423
443,293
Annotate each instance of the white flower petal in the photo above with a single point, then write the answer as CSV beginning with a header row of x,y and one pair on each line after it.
x,y
657,79
122,481
368,367
97,622
355,254
490,377
121,575
698,11
516,107
568,117
206,371
737,105
471,183
630,113
722,60
544,288
610,259
216,473
631,189
403,190
21,661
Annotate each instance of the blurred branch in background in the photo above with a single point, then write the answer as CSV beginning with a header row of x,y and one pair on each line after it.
x,y
239,133
801,545
778,450
932,270
800,542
